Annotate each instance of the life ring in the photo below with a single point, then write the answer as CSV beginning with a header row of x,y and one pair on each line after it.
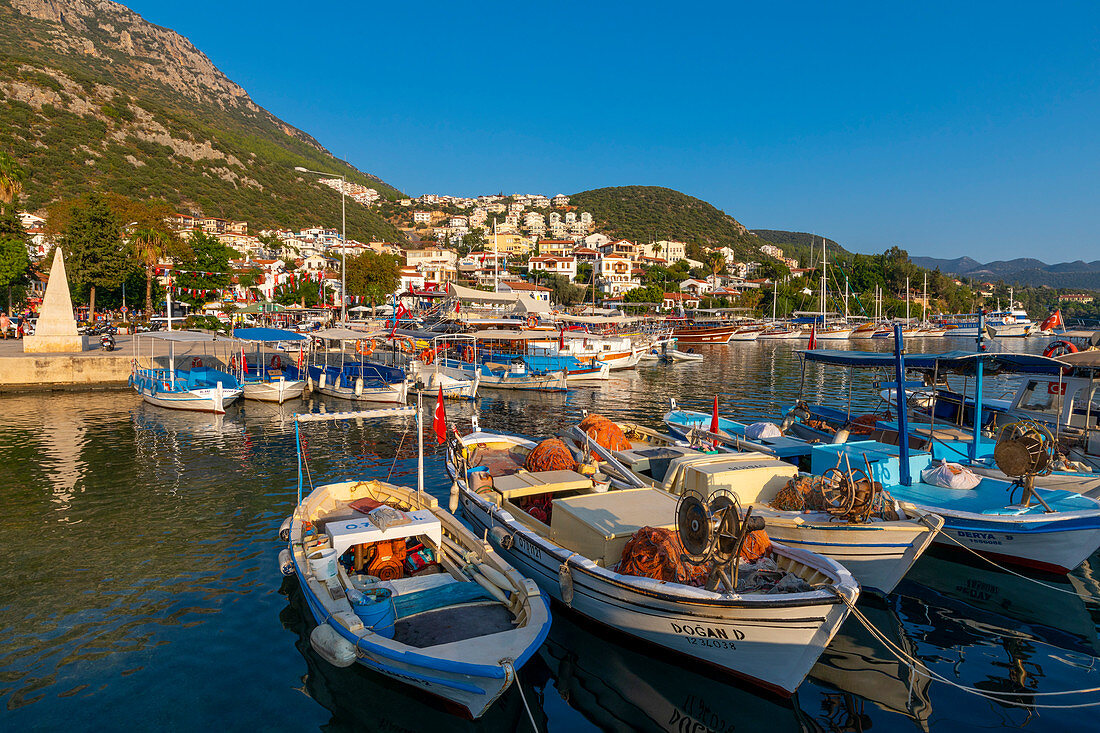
x,y
532,321
1059,348
276,362
468,353
196,362
427,356
364,347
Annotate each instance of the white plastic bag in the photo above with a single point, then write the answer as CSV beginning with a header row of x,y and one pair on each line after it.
x,y
950,476
759,430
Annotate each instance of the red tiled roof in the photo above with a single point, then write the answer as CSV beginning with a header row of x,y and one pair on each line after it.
x,y
521,285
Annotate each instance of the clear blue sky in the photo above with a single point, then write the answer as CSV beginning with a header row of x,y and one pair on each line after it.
x,y
947,129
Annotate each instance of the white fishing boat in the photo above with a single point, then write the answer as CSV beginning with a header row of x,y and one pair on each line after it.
x,y
400,586
672,356
771,638
275,377
359,380
517,376
194,382
878,546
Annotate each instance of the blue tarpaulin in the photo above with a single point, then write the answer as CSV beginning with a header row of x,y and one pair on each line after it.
x,y
266,334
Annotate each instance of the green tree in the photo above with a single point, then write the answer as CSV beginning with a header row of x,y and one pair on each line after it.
x,y
151,246
373,276
14,261
304,292
95,254
206,255
645,294
11,182
772,269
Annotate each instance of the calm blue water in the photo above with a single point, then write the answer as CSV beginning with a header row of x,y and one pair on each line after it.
x,y
141,588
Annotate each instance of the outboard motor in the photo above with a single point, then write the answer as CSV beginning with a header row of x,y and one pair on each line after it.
x,y
107,341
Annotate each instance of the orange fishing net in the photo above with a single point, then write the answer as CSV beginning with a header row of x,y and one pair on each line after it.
x,y
550,455
655,553
800,493
591,420
757,545
608,435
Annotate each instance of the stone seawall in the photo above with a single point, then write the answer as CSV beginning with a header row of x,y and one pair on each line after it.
x,y
63,371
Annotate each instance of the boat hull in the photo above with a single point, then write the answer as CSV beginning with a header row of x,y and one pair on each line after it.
x,y
773,645
193,401
390,393
278,391
717,335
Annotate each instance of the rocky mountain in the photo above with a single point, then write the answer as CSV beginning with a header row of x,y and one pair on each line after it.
x,y
94,96
648,213
1021,271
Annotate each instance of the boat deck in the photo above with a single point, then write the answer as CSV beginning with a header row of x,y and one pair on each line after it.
x,y
451,624
990,498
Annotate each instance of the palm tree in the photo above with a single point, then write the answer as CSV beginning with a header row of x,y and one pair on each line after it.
x,y
151,246
11,179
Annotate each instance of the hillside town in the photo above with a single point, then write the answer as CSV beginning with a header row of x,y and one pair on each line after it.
x,y
496,242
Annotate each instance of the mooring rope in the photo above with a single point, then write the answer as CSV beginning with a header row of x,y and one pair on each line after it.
x,y
1013,572
1004,698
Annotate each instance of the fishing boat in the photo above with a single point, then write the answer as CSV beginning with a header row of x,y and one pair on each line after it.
x,y
358,380
771,638
673,355
398,585
1010,519
780,333
541,351
270,378
195,382
429,364
747,333
878,546
516,376
704,332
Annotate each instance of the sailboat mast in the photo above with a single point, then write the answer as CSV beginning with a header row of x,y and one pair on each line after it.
x,y
924,307
496,262
824,283
907,299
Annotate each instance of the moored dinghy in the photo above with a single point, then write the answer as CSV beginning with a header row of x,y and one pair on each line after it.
x,y
759,633
400,586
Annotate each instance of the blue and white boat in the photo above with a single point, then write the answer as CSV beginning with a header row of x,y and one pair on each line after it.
x,y
993,518
359,380
398,585
199,385
1009,323
270,378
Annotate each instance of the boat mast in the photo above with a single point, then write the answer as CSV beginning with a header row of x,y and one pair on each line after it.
x,y
924,308
824,283
775,297
496,263
907,299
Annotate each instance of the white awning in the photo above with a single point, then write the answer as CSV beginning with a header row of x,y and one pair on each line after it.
x,y
479,296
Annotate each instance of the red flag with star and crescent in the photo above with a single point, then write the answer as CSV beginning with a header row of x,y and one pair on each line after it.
x,y
439,420
1054,321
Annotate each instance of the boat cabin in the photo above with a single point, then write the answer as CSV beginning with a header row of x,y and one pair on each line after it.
x,y
752,477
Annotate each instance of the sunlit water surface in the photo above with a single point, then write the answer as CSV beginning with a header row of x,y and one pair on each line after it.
x,y
140,586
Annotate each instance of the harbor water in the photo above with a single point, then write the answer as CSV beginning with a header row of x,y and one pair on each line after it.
x,y
141,587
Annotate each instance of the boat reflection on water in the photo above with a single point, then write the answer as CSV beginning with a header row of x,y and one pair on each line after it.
x,y
863,670
618,688
974,604
360,699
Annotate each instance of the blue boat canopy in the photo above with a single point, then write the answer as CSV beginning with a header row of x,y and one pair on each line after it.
x,y
948,361
266,334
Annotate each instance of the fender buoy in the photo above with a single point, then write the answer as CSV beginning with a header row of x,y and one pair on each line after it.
x,y
1059,348
532,321
358,386
276,362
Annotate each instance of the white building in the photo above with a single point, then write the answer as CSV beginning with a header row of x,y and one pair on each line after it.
x,y
771,251
566,266
615,274
560,200
422,217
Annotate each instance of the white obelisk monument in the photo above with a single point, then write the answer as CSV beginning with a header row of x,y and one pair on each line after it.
x,y
55,332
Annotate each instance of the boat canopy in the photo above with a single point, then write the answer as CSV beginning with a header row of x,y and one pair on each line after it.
x,y
184,336
343,334
597,320
948,361
1082,359
267,335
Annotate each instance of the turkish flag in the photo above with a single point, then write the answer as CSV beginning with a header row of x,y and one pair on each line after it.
x,y
439,421
715,426
813,337
1054,320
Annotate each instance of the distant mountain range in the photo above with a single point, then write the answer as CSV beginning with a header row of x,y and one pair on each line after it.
x,y
1021,271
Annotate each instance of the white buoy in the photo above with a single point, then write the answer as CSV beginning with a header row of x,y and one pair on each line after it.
x,y
284,530
358,386
321,381
489,586
496,577
453,503
333,648
286,562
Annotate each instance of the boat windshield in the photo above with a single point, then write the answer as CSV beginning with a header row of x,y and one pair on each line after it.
x,y
1042,396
